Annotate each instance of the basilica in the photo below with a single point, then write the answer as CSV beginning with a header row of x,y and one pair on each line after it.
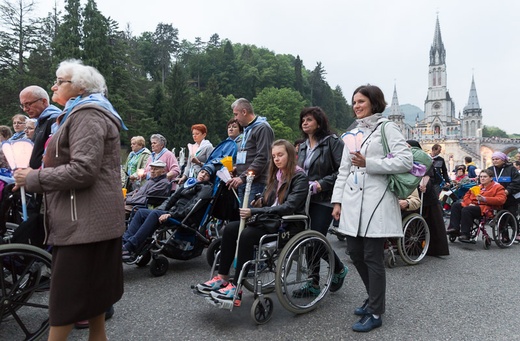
x,y
460,135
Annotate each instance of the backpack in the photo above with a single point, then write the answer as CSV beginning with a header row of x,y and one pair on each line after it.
x,y
403,184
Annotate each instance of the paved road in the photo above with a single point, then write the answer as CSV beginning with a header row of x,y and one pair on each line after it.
x,y
470,295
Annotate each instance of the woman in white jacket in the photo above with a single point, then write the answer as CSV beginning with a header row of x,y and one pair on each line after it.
x,y
369,212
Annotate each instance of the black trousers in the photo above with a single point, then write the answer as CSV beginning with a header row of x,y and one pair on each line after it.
x,y
462,217
321,218
368,255
249,237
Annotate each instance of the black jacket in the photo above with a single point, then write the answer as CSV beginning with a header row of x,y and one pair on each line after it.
x,y
183,199
323,166
41,134
509,178
294,202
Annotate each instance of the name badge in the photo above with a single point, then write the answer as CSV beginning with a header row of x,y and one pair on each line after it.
x,y
241,157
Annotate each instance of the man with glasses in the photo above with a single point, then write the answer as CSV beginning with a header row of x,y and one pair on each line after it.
x,y
34,100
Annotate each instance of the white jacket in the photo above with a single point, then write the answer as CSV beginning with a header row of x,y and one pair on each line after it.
x,y
368,208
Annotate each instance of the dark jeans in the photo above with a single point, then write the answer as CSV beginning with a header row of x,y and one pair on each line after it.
x,y
249,237
368,254
321,219
462,217
143,225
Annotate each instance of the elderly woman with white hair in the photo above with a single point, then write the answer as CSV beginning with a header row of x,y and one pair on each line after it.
x,y
160,152
83,202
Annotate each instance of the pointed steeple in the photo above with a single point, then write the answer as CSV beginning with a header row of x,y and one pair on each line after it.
x,y
437,51
473,98
394,107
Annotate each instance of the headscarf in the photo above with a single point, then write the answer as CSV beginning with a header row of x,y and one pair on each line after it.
x,y
500,155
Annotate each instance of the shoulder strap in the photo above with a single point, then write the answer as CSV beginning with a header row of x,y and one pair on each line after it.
x,y
386,150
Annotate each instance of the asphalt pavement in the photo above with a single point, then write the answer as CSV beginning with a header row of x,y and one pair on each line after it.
x,y
470,295
473,294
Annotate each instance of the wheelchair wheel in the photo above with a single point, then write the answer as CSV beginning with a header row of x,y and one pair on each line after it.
x,y
297,270
414,245
262,310
213,249
266,274
504,229
24,272
159,266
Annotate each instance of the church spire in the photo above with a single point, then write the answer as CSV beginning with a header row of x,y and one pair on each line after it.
x,y
394,107
473,98
437,51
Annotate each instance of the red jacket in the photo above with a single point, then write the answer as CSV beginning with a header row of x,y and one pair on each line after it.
x,y
495,197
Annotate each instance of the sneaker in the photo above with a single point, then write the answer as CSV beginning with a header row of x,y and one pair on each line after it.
x,y
227,294
338,279
367,323
307,290
362,311
127,255
215,283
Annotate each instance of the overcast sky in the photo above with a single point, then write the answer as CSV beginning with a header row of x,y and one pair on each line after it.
x,y
381,42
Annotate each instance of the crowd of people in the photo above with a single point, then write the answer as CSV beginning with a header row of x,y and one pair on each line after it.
x,y
76,164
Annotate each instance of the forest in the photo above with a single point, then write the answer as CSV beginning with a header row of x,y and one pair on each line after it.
x,y
156,82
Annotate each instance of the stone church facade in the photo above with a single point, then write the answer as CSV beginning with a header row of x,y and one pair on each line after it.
x,y
459,135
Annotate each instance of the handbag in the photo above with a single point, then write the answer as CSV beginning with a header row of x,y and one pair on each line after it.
x,y
268,222
403,184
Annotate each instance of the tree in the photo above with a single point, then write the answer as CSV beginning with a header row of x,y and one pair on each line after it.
x,y
96,50
177,121
490,131
166,39
68,40
283,105
19,34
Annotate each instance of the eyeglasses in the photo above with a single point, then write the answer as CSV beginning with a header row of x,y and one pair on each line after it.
x,y
28,104
59,82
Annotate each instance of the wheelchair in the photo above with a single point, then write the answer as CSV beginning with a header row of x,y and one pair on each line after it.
x,y
413,246
283,263
24,283
504,228
179,240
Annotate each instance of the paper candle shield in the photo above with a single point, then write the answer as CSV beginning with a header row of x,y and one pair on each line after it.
x,y
353,140
18,153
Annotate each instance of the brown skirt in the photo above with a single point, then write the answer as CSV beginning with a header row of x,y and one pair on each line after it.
x,y
86,280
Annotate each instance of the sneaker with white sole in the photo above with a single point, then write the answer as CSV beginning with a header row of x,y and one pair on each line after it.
x,y
227,294
215,283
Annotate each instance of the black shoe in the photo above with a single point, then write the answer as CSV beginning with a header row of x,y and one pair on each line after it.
x,y
452,231
464,239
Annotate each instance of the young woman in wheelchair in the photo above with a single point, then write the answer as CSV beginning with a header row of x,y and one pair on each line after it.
x,y
482,200
285,194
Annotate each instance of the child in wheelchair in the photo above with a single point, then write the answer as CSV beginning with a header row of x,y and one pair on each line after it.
x,y
285,194
177,206
477,202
